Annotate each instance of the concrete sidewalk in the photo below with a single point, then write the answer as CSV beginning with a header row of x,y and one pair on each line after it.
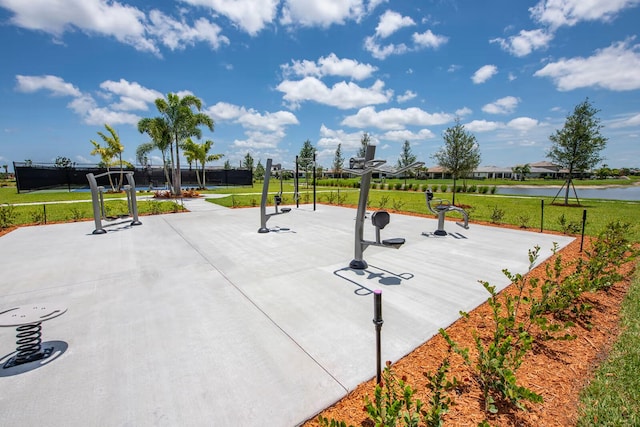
x,y
196,319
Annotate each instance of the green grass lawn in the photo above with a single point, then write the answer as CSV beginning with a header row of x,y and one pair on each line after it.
x,y
613,396
521,211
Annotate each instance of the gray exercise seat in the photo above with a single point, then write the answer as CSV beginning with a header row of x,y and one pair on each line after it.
x,y
441,210
380,219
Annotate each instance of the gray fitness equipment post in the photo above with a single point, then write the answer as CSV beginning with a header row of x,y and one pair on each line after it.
x,y
441,210
97,198
296,194
264,216
365,167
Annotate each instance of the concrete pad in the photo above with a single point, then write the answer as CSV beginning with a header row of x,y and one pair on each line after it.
x,y
197,319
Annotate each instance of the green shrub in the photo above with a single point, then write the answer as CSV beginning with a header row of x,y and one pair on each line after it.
x,y
37,216
500,355
384,199
523,221
496,215
76,213
397,205
568,227
7,216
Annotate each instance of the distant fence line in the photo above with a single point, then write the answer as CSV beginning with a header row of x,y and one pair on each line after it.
x,y
39,176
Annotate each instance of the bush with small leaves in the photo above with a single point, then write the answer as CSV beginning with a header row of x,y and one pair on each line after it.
x,y
568,227
397,205
37,216
523,221
496,215
500,355
7,216
384,200
76,214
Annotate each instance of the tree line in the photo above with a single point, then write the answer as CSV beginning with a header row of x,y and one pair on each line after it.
x,y
576,147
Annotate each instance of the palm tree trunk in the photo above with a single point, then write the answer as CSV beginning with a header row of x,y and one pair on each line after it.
x,y
113,188
204,182
121,174
177,179
172,182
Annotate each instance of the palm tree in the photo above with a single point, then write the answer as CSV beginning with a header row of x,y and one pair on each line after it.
x,y
182,123
157,129
200,154
114,148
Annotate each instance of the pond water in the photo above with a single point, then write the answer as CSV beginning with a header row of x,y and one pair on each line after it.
x,y
631,193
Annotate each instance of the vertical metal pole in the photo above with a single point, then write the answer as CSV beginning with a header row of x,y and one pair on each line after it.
x,y
358,262
132,197
377,321
97,203
295,181
314,181
584,221
263,202
541,214
44,213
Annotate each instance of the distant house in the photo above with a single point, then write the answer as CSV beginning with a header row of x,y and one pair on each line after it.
x,y
537,170
492,172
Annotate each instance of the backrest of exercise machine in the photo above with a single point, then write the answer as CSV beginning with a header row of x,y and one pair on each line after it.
x,y
380,219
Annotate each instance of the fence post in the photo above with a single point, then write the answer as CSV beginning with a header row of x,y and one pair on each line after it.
x,y
377,320
584,221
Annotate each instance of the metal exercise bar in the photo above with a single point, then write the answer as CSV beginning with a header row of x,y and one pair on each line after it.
x,y
97,199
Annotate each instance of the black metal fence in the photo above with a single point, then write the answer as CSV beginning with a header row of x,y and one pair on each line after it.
x,y
31,176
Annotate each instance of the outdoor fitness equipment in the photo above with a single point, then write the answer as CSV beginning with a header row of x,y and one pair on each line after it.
x,y
97,198
441,210
296,193
365,167
264,216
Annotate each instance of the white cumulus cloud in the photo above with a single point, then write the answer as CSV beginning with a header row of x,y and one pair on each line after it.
x,y
429,39
406,96
342,95
249,15
522,124
390,22
597,70
132,96
525,42
177,35
557,13
483,126
484,73
504,105
322,13
111,19
54,84
394,118
329,65
407,135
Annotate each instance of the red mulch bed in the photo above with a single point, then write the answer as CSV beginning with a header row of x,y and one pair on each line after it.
x,y
557,370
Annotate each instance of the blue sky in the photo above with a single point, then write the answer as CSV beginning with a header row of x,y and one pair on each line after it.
x,y
274,73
